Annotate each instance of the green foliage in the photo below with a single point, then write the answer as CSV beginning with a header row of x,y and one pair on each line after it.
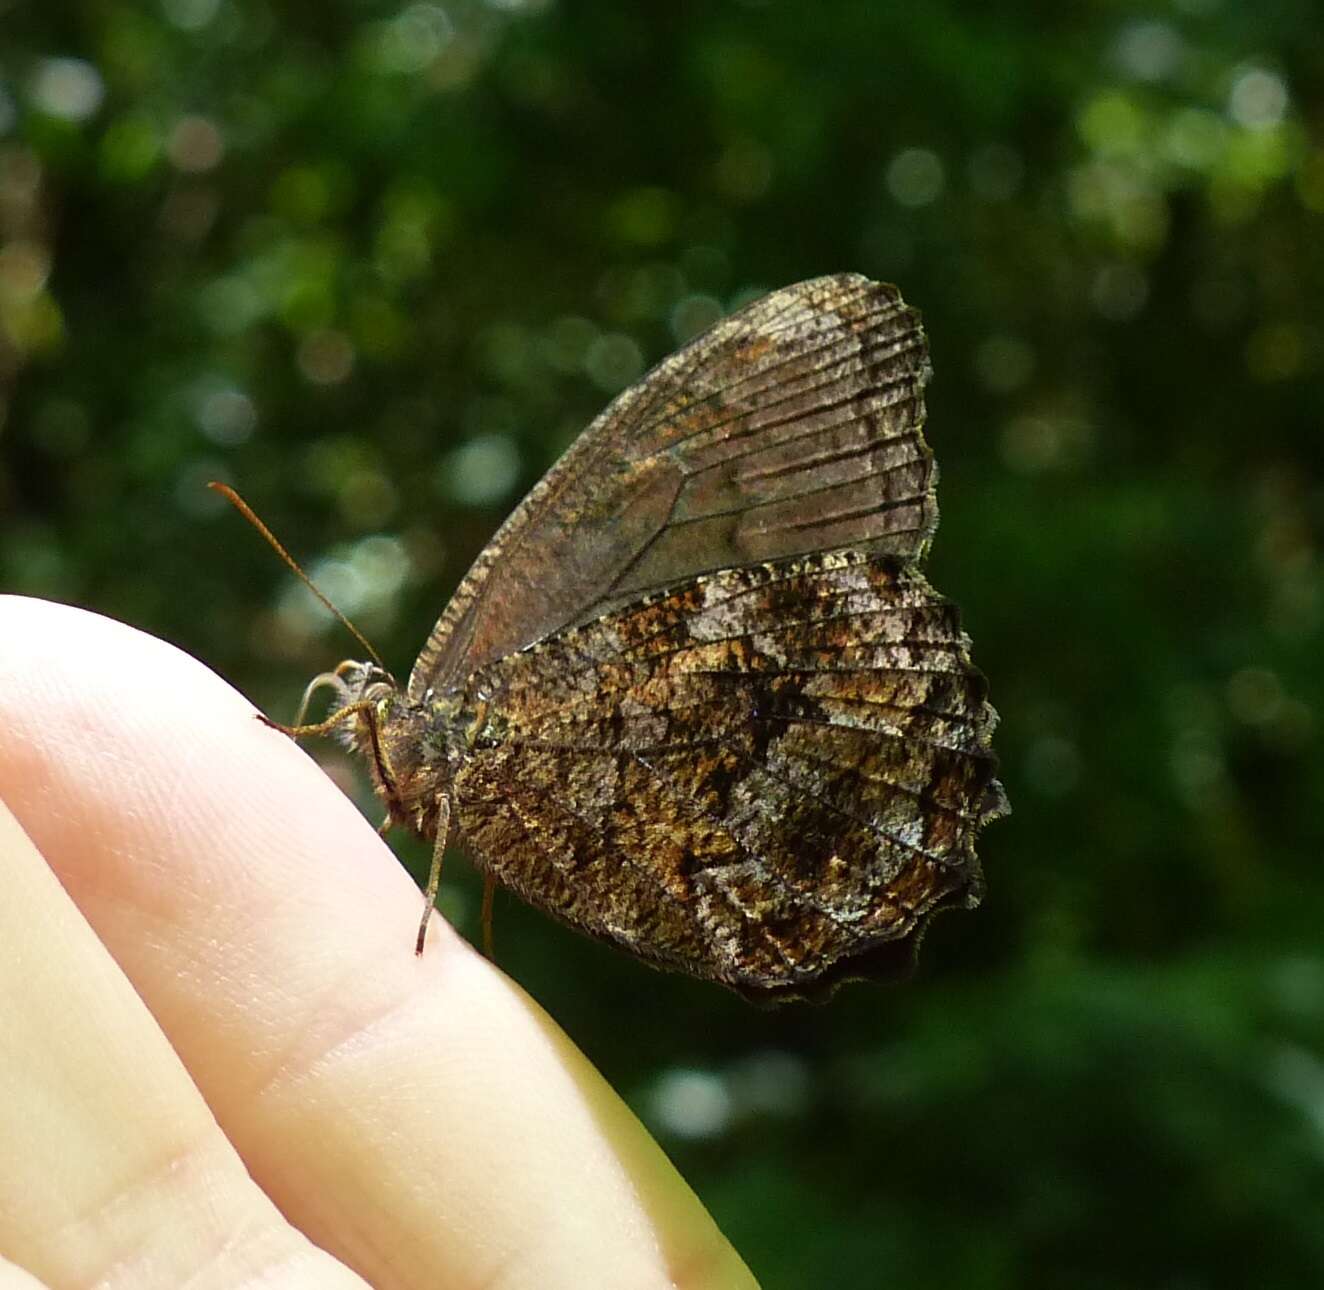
x,y
377,266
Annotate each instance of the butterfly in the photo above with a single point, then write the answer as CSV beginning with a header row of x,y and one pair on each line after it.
x,y
696,697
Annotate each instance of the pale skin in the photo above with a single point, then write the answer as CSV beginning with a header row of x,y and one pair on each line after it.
x,y
222,1063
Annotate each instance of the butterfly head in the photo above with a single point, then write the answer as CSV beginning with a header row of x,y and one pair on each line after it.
x,y
354,685
357,682
380,724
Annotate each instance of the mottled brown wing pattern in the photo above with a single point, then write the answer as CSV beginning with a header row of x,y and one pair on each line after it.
x,y
769,775
791,427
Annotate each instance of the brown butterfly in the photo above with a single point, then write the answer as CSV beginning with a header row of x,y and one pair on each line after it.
x,y
696,698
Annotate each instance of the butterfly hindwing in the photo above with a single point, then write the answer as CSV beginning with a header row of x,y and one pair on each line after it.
x,y
762,774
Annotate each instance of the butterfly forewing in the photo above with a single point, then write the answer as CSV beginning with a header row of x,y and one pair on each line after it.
x,y
791,427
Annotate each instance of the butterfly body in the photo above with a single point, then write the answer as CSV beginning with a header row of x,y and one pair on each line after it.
x,y
696,698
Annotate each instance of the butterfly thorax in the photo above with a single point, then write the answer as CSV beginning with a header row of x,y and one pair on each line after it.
x,y
412,749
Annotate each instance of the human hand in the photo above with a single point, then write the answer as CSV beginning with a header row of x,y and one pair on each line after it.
x,y
301,1101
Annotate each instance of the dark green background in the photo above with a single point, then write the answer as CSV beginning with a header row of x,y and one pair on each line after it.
x,y
377,266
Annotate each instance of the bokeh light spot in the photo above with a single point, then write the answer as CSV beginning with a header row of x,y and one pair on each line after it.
x,y
24,268
504,351
481,472
1119,292
412,40
229,305
1112,124
1052,765
1032,444
770,1083
996,172
195,145
362,580
1255,695
8,110
690,1103
130,148
326,356
225,414
1275,352
68,88
1149,51
1258,98
915,177
613,361
1197,766
1195,137
1004,363
189,15
744,171
644,216
62,427
693,315
566,343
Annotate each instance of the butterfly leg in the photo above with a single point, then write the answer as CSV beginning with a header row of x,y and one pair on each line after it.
x,y
489,891
385,772
322,727
434,874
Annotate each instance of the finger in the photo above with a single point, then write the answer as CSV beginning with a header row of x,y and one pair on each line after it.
x,y
419,1117
12,1277
113,1170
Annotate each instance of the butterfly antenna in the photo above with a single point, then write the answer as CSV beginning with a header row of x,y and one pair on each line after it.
x,y
250,515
